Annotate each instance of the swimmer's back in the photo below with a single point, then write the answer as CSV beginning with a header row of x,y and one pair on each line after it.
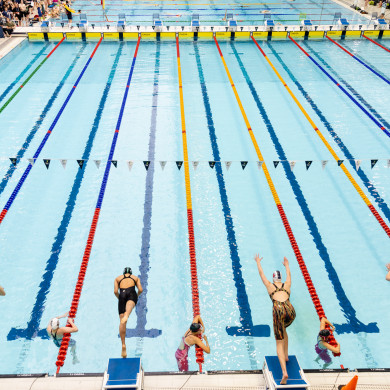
x,y
126,281
280,296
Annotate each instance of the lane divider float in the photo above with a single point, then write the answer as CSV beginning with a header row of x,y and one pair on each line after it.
x,y
190,220
29,77
45,138
330,149
342,88
87,252
376,43
312,291
360,61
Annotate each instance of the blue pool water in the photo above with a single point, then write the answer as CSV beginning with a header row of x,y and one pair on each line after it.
x,y
178,13
143,219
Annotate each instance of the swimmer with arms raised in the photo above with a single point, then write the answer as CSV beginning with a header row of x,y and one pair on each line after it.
x,y
190,338
124,290
283,311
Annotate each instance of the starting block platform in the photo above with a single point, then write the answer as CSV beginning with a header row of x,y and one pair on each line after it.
x,y
123,374
273,374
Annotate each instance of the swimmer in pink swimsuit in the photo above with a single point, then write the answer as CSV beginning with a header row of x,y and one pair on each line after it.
x,y
190,338
323,346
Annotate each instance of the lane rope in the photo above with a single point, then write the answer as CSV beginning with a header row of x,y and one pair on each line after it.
x,y
326,143
376,43
312,291
359,60
342,88
30,77
190,220
45,138
87,252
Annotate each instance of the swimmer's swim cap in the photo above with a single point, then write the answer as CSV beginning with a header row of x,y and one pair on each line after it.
x,y
277,276
324,333
55,323
127,270
195,327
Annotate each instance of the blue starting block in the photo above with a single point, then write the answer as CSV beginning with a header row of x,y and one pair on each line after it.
x,y
342,22
123,374
381,23
157,23
195,21
269,23
273,374
83,24
306,22
45,26
121,25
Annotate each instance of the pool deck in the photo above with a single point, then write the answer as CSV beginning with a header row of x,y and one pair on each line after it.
x,y
246,381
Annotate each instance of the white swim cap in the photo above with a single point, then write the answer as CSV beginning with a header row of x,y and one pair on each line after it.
x,y
55,323
277,276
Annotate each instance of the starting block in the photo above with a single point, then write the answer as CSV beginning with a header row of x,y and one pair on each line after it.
x,y
45,26
83,24
269,24
123,374
273,374
343,23
307,25
381,24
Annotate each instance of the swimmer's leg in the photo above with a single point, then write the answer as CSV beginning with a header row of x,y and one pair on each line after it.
x,y
282,360
122,325
285,346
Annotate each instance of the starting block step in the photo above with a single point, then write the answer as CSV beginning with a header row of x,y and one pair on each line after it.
x,y
273,374
123,374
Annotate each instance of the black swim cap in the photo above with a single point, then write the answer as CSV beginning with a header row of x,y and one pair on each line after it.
x,y
324,333
127,270
195,327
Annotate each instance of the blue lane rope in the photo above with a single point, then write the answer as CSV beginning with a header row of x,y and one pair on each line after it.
x,y
342,88
39,122
46,137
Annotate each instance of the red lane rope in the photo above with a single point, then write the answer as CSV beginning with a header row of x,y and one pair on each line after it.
x,y
376,43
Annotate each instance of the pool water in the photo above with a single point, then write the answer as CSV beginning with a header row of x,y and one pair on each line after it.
x,y
143,218
179,13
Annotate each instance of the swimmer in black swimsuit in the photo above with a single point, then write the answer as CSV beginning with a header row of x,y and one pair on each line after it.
x,y
124,290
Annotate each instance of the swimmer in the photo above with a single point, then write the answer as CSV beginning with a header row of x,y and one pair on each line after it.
x,y
127,299
323,346
283,311
388,273
189,339
56,333
2,291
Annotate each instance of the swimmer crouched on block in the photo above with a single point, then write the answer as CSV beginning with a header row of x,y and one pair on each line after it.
x,y
124,290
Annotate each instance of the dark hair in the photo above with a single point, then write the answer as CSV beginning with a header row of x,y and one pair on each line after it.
x,y
127,270
195,327
324,333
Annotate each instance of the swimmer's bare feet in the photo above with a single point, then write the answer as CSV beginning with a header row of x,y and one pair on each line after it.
x,y
287,359
124,352
124,319
284,379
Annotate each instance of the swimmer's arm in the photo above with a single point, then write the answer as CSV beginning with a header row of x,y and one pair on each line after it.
x,y
139,287
325,321
116,288
2,292
261,272
198,320
200,344
288,272
69,329
335,349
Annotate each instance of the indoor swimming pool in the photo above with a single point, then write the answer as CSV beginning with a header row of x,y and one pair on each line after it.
x,y
73,156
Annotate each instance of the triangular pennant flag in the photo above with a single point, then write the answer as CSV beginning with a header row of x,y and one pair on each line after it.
x,y
339,162
195,164
276,163
130,165
146,164
308,163
179,164
97,162
81,163
324,162
244,164
32,160
373,162
260,164
114,163
163,163
292,164
13,160
212,164
357,164
46,162
228,164
63,163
